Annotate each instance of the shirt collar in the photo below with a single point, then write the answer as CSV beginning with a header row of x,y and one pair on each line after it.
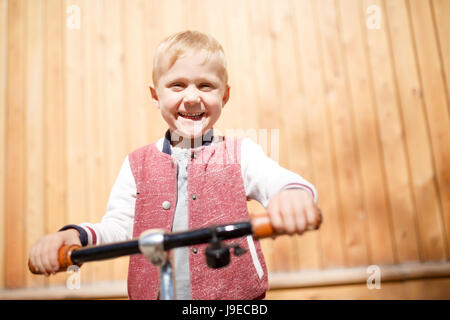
x,y
206,140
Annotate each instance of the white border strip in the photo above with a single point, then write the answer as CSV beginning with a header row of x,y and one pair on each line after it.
x,y
256,263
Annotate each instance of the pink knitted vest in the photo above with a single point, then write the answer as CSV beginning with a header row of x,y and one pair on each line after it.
x,y
214,177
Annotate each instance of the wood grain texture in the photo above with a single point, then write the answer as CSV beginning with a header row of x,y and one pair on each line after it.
x,y
15,161
434,289
437,113
378,223
55,212
319,133
395,157
34,122
442,26
347,165
3,110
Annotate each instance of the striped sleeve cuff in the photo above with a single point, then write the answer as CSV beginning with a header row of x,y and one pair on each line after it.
x,y
83,233
92,236
296,185
87,234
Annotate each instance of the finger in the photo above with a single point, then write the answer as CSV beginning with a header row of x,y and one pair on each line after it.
x,y
317,219
275,217
33,260
53,258
45,257
299,216
311,217
288,216
300,219
38,261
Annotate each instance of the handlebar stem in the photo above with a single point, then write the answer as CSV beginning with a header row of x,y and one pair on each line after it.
x,y
166,279
151,245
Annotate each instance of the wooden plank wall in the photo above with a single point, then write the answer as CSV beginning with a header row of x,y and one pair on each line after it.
x,y
356,92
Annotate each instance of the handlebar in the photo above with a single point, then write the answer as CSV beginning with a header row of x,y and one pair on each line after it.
x,y
259,226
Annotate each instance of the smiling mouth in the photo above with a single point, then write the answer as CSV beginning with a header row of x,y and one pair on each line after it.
x,y
192,116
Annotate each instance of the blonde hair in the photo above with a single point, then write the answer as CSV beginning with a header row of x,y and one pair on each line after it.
x,y
178,44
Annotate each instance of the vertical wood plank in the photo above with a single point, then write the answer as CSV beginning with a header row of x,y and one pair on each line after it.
x,y
438,118
177,11
15,148
89,40
95,193
55,128
240,113
55,162
372,173
235,115
94,86
442,24
156,126
117,125
136,90
267,113
197,18
75,102
294,131
3,123
249,75
263,61
216,22
284,247
346,162
34,123
301,157
393,147
331,237
441,11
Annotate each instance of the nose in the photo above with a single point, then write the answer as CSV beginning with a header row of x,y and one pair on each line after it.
x,y
191,96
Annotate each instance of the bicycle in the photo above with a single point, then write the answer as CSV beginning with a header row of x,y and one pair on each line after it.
x,y
154,244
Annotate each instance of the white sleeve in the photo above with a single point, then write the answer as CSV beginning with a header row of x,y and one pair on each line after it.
x,y
117,223
263,177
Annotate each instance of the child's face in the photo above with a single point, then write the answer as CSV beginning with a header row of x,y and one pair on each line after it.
x,y
191,94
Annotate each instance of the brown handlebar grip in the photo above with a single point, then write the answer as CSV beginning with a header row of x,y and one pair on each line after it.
x,y
261,225
64,258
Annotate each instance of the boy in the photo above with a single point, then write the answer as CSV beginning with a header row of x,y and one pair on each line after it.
x,y
192,178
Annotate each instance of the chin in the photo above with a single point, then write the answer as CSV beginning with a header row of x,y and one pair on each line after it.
x,y
194,131
190,134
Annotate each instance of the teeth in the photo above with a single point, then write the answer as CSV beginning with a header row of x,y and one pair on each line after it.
x,y
191,114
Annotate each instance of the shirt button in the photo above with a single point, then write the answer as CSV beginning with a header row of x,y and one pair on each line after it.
x,y
194,155
194,250
166,205
194,197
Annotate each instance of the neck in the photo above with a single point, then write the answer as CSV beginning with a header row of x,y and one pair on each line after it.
x,y
189,142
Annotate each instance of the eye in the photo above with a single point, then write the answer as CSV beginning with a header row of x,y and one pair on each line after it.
x,y
177,86
206,86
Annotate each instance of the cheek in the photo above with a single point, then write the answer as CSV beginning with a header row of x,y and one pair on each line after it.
x,y
213,102
169,103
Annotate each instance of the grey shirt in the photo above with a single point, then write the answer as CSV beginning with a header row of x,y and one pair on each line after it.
x,y
180,223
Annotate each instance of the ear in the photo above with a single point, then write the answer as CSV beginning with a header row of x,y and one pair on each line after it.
x,y
154,96
226,96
